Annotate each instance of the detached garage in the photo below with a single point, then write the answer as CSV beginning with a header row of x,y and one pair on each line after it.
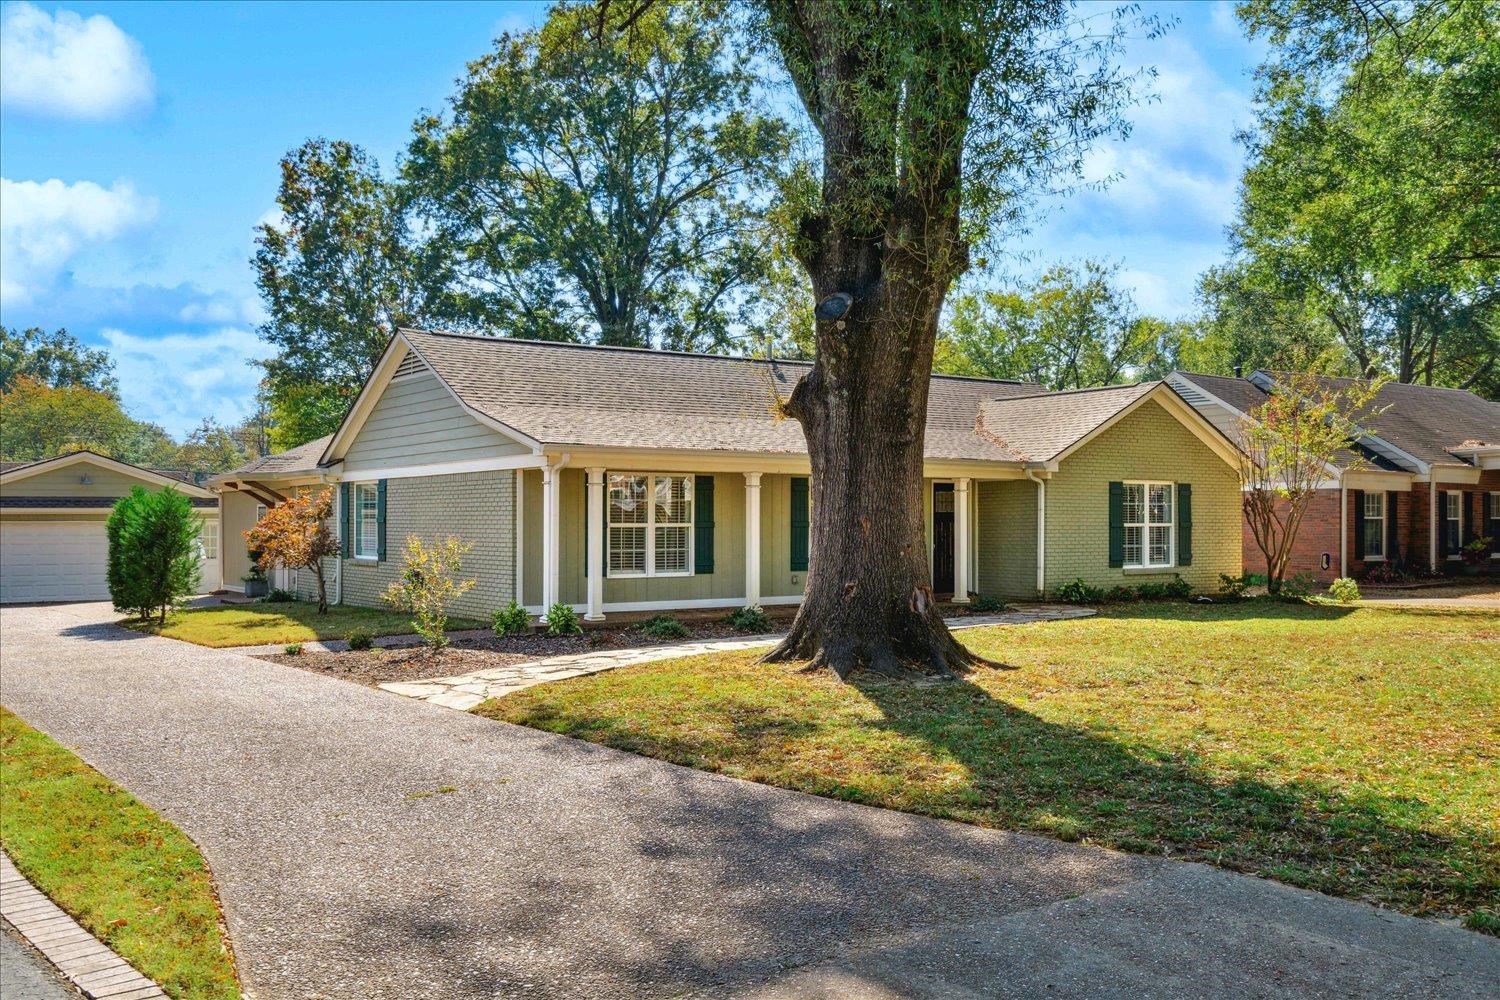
x,y
52,514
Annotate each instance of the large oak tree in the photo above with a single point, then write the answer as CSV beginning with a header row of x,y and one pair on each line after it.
x,y
937,120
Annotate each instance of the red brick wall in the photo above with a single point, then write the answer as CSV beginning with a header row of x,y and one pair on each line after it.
x,y
1318,534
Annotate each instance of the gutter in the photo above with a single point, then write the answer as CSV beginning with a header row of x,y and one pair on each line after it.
x,y
1041,526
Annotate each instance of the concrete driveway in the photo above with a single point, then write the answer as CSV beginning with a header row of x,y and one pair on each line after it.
x,y
558,868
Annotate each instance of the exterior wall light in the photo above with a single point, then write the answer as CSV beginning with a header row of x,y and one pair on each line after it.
x,y
834,306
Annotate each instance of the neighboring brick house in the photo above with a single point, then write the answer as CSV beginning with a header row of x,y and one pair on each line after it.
x,y
1422,481
616,479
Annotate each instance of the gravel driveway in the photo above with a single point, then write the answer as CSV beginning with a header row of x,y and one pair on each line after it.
x,y
560,868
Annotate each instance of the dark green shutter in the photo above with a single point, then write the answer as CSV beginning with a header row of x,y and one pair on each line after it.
x,y
1491,515
1466,532
380,521
1392,535
799,523
1184,524
703,524
1442,526
346,493
1359,523
1116,525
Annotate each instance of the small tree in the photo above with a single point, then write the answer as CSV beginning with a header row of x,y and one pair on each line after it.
x,y
295,535
153,552
427,586
1287,447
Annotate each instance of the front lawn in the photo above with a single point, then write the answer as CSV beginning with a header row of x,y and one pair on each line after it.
x,y
128,876
280,622
1353,752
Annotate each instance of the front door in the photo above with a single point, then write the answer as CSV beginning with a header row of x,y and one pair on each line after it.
x,y
942,538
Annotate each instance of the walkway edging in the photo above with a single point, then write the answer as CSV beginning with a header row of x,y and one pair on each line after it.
x,y
88,963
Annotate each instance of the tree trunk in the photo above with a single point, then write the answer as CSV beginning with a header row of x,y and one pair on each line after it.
x,y
317,568
868,601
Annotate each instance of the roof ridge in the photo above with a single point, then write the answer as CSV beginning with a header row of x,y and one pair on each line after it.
x,y
1075,392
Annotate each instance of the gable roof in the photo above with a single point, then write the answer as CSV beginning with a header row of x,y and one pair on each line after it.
x,y
1038,428
303,458
178,479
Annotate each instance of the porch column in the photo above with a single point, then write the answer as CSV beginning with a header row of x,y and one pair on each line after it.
x,y
960,541
1343,525
752,539
1432,522
595,509
551,509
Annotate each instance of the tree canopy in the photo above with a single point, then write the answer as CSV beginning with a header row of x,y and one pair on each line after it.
x,y
57,359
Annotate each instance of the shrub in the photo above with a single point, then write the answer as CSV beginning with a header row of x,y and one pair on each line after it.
x,y
561,619
664,627
1233,587
1119,594
986,605
427,586
1297,588
511,620
153,552
293,649
295,534
360,639
1344,590
1078,592
1179,588
750,619
1386,572
1477,552
279,596
1255,579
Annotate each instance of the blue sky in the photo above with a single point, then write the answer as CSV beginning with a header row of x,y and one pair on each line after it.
x,y
139,146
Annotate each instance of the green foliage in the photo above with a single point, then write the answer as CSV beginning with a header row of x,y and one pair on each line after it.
x,y
38,421
1079,592
751,619
511,620
561,619
428,585
278,595
1233,588
984,605
1175,589
608,173
153,552
54,359
1344,590
212,447
663,627
1298,587
361,639
292,649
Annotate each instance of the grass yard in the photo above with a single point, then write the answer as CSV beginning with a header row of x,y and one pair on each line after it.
x,y
127,875
1354,752
280,622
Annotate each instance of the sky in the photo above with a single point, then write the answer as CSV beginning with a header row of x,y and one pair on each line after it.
x,y
140,142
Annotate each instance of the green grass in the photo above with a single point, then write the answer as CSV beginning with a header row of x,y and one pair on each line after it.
x,y
1354,752
128,876
280,623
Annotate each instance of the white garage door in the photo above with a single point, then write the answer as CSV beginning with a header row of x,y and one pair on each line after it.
x,y
53,561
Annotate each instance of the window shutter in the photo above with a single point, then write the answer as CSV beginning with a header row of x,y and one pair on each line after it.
x,y
1442,525
1491,515
703,524
1392,534
1184,524
380,521
346,494
1116,525
799,523
1466,532
1359,523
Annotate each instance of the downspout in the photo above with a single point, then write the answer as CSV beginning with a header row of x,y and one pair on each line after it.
x,y
1343,525
1041,531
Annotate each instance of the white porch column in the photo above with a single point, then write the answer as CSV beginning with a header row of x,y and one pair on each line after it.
x,y
551,510
752,539
1343,526
1432,523
960,541
595,510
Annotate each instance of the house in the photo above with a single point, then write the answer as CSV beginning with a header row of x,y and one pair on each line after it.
x,y
52,514
1420,481
617,479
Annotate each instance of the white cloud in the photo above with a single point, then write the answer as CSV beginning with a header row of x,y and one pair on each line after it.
x,y
44,224
178,379
71,66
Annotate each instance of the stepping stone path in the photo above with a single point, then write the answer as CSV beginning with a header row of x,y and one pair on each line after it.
x,y
467,690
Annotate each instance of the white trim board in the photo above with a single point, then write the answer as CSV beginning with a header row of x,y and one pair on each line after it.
x,y
727,603
500,463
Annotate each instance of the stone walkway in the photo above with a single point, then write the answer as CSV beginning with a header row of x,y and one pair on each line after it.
x,y
468,690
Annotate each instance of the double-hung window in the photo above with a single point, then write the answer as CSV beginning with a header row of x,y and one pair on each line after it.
x,y
1493,528
366,500
650,525
1374,526
1149,526
1453,502
208,540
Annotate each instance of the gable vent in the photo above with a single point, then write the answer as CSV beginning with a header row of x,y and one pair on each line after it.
x,y
410,365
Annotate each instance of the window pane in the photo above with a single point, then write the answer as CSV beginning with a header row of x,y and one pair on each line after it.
x,y
1374,538
627,500
1133,546
1374,505
1135,503
1451,504
1161,546
1161,504
673,505
627,550
671,550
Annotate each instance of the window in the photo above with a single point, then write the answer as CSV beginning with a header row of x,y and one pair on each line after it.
x,y
260,512
650,525
1493,529
1148,525
366,521
1453,503
208,540
1374,526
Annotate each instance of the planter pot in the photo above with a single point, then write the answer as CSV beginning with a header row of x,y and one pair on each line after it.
x,y
257,588
1471,569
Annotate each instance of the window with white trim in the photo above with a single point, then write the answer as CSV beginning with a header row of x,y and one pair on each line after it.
x,y
1374,526
208,540
260,512
366,499
1150,530
650,525
1453,528
1493,528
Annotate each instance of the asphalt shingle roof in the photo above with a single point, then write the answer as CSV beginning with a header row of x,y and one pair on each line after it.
x,y
1240,393
1037,428
303,458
